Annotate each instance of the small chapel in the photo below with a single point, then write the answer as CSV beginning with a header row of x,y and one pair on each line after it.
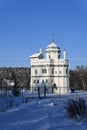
x,y
51,72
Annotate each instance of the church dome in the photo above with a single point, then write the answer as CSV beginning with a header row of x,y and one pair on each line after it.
x,y
52,46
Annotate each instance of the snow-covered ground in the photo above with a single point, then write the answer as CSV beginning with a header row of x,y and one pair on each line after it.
x,y
38,114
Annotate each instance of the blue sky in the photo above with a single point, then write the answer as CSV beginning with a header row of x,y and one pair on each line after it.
x,y
27,25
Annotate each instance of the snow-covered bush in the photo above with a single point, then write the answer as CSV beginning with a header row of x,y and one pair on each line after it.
x,y
5,103
77,109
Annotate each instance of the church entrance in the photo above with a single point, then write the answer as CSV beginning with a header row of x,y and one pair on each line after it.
x,y
42,92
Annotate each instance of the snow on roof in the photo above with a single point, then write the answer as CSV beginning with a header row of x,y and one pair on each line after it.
x,y
35,55
52,45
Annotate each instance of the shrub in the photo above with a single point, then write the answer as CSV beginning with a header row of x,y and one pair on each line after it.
x,y
77,109
15,91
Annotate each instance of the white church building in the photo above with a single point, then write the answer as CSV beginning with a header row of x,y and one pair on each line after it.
x,y
51,72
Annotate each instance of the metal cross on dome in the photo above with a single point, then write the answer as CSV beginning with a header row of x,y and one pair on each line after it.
x,y
53,37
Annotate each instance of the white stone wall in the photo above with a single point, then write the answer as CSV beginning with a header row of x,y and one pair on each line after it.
x,y
60,75
52,55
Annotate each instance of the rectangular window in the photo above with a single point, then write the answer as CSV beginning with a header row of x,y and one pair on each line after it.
x,y
60,72
37,81
49,56
42,81
44,71
46,81
34,81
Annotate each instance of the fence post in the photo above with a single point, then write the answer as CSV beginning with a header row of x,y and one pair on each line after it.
x,y
52,89
44,91
59,91
38,92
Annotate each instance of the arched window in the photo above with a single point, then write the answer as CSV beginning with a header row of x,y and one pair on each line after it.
x,y
37,81
35,71
44,71
49,56
66,70
52,70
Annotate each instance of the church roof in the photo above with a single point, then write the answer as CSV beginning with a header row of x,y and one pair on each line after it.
x,y
52,46
35,55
